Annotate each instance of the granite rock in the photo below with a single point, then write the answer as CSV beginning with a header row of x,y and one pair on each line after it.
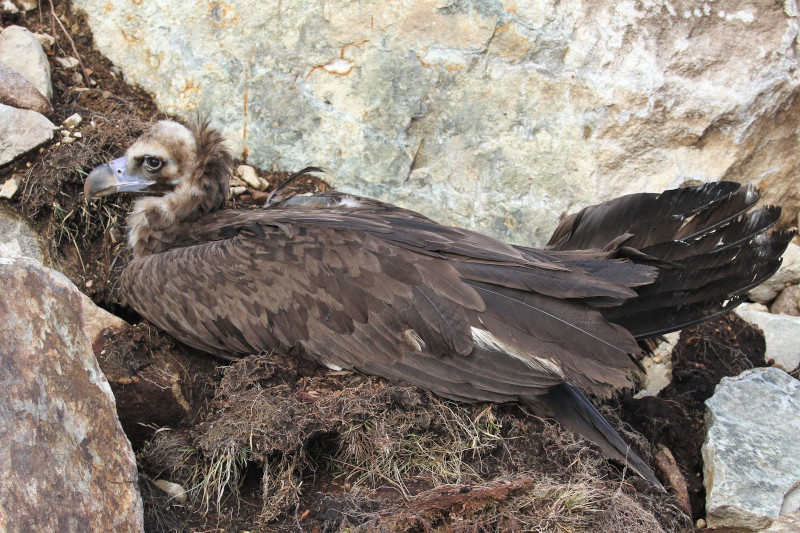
x,y
751,468
491,114
65,463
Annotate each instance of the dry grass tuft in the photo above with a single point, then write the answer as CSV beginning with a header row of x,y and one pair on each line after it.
x,y
381,435
290,424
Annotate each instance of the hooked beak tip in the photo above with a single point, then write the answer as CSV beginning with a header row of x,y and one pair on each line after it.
x,y
100,182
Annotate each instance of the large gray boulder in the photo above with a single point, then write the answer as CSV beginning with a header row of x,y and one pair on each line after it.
x,y
65,464
751,467
498,115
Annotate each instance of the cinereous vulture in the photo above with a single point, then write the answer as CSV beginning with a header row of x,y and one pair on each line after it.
x,y
358,284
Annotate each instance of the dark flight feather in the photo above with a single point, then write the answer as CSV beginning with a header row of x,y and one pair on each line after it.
x,y
360,284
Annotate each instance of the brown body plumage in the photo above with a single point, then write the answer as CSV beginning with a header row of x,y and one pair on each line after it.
x,y
358,284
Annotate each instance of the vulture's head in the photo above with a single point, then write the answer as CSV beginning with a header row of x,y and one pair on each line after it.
x,y
167,157
185,171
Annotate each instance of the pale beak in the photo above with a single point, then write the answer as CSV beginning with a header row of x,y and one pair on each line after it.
x,y
112,178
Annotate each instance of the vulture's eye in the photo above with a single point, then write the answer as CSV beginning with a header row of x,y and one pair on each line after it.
x,y
152,163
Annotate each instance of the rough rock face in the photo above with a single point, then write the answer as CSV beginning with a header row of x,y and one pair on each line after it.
x,y
21,130
751,467
65,464
491,114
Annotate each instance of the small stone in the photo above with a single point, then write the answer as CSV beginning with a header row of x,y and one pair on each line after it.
x,y
21,130
16,91
787,302
89,284
67,62
27,5
752,306
68,140
65,133
20,51
8,7
47,41
238,191
175,491
658,366
700,524
10,187
77,135
249,176
73,121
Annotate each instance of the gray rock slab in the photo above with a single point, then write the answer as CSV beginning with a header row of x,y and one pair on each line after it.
x,y
21,130
782,335
18,238
496,115
21,51
65,463
751,467
788,273
16,91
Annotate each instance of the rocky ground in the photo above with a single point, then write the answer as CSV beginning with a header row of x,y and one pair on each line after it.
x,y
272,443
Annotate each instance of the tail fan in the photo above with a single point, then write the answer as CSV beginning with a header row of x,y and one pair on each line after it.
x,y
709,248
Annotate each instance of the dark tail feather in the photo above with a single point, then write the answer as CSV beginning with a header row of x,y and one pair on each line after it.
x,y
572,409
707,244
